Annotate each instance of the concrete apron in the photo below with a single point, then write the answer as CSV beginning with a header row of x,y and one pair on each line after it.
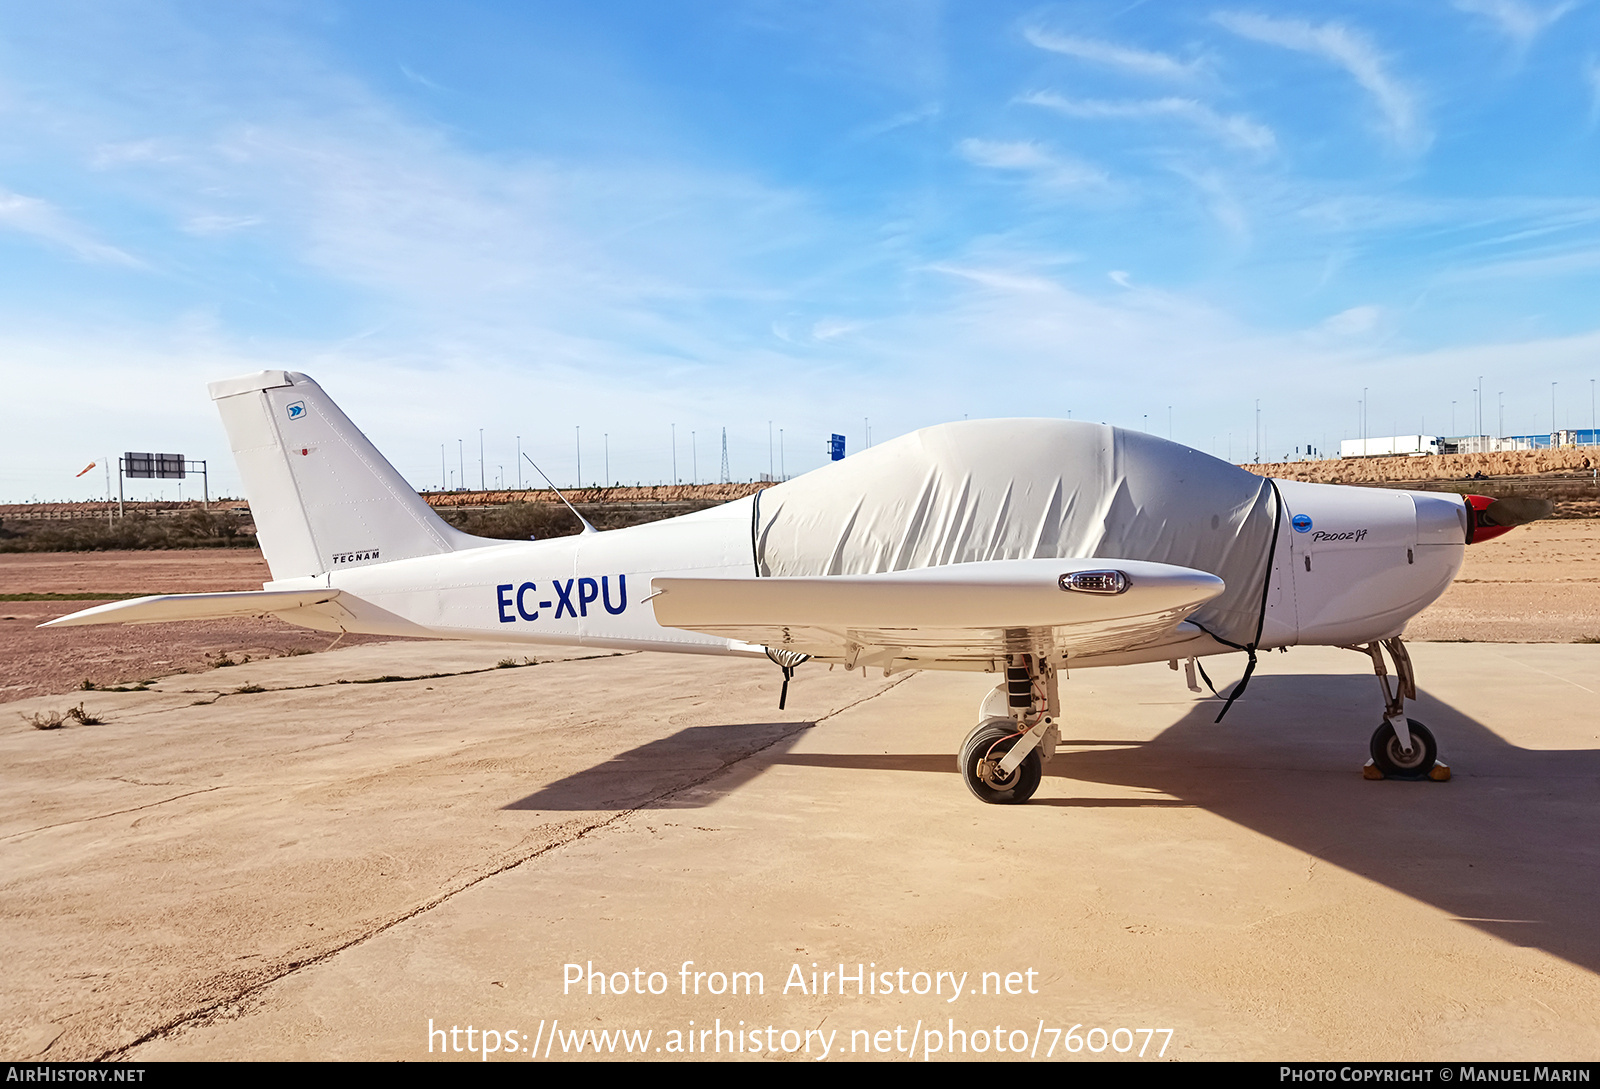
x,y
325,871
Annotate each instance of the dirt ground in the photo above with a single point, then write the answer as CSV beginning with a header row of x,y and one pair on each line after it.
x,y
1537,584
34,662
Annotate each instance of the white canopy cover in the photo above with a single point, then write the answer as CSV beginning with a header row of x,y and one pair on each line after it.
x,y
989,490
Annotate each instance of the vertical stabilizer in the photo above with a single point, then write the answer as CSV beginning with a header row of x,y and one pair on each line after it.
x,y
322,496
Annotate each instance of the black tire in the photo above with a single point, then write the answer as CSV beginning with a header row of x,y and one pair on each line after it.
x,y
990,741
1396,763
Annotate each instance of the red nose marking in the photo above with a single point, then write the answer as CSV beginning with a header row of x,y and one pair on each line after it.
x,y
1479,530
304,453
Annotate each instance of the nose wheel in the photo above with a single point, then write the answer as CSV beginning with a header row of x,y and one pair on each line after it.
x,y
1402,748
981,755
1395,760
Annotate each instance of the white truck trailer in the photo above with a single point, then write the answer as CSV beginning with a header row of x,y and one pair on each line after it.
x,y
1390,446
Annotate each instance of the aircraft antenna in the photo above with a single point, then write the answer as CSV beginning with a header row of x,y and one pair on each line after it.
x,y
587,528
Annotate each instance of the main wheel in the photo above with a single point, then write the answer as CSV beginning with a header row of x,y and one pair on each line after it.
x,y
982,751
1396,762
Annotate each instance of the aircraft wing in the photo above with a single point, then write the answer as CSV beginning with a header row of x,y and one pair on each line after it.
x,y
971,614
148,610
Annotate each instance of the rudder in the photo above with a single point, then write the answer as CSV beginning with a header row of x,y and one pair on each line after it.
x,y
322,496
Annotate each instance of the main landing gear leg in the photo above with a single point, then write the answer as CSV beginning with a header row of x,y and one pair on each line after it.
x,y
1402,748
1002,759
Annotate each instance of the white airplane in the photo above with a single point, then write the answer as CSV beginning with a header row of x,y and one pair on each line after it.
x,y
1020,547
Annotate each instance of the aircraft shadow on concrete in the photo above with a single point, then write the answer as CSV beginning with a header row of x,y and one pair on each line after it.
x,y
1512,845
636,777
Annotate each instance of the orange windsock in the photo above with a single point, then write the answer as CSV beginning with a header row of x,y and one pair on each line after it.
x,y
87,467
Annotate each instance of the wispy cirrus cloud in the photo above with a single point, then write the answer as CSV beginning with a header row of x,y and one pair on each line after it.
x,y
43,220
1355,53
1520,22
1591,75
219,224
1235,128
1140,61
1030,158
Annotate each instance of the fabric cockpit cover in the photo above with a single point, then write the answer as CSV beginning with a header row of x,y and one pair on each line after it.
x,y
1019,489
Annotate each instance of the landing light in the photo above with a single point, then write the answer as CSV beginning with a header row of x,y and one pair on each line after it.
x,y
1095,582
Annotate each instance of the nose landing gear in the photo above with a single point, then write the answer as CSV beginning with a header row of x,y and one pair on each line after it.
x,y
1402,748
1002,759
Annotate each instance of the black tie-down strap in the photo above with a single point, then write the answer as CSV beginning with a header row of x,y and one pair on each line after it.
x,y
1244,681
1261,618
786,660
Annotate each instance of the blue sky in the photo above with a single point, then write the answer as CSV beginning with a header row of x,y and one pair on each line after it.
x,y
532,218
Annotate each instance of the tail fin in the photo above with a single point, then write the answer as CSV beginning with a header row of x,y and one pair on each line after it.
x,y
322,496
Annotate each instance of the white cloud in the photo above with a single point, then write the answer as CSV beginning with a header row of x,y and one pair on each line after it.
x,y
1591,75
128,152
1225,207
1353,322
897,121
219,224
1350,50
1235,129
1140,61
1028,157
417,78
1520,22
829,328
41,219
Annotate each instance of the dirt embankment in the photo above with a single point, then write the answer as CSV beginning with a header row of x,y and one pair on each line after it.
x,y
1568,477
656,493
1443,467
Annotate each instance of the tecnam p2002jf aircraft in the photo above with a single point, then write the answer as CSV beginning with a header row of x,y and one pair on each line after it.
x,y
1019,547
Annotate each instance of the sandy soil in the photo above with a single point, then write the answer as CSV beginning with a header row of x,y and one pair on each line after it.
x,y
190,571
34,662
1536,584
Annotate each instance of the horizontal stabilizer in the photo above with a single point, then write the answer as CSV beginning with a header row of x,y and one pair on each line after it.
x,y
967,611
149,610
